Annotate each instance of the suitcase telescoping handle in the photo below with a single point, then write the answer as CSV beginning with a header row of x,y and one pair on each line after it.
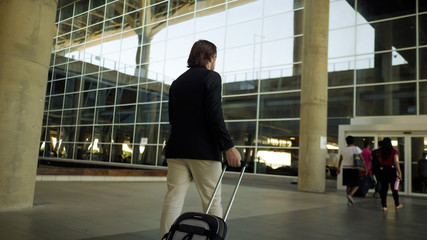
x,y
244,164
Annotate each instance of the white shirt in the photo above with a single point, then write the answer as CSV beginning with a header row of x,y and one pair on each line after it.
x,y
347,155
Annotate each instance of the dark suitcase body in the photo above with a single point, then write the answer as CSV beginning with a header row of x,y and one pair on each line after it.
x,y
202,226
366,183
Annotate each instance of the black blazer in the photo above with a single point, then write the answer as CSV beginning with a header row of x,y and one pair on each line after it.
x,y
195,114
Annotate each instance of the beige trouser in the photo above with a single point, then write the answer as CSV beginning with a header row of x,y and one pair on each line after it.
x,y
180,173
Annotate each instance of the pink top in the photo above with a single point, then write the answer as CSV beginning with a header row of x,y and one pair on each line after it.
x,y
366,154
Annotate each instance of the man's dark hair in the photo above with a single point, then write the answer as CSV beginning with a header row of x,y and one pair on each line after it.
x,y
349,140
201,53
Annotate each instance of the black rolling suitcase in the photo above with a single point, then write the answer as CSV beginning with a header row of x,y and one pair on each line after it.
x,y
202,226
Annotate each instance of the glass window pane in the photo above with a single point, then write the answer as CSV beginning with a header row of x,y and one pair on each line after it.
x,y
148,113
80,21
419,164
393,34
423,97
102,134
108,79
101,152
240,87
81,7
106,97
122,153
242,133
56,102
66,150
341,14
422,23
164,133
90,82
341,71
272,7
278,133
279,53
179,7
146,134
125,114
69,117
182,26
73,84
58,86
114,9
277,161
67,134
88,99
54,118
210,18
71,100
208,3
423,60
96,15
282,105
145,155
385,100
149,92
382,9
127,78
288,78
239,11
156,13
244,34
242,107
86,116
341,42
134,19
340,102
272,31
165,112
386,67
84,134
333,124
104,115
126,95
123,133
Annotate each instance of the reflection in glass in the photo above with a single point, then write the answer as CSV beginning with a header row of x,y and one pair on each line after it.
x,y
340,102
88,99
156,13
165,112
242,107
210,19
239,87
56,102
106,97
71,100
73,84
126,95
244,34
146,134
272,7
341,71
333,124
382,10
341,14
281,79
148,113
149,92
422,25
399,33
419,164
341,42
145,155
386,67
101,152
122,153
277,161
239,11
104,115
102,134
272,32
125,114
423,98
54,118
282,105
84,134
423,60
164,133
278,133
69,117
123,133
242,133
384,100
90,82
86,116
67,134
58,87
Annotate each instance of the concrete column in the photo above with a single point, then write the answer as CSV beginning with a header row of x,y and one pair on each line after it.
x,y
26,31
314,96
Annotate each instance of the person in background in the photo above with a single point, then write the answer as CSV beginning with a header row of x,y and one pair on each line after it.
x,y
375,168
366,154
388,172
350,177
198,135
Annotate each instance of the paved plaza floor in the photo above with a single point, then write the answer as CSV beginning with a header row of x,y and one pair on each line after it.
x,y
88,210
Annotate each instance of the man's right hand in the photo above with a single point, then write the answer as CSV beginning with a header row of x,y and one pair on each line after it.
x,y
233,157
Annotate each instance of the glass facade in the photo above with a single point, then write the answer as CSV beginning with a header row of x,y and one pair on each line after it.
x,y
113,62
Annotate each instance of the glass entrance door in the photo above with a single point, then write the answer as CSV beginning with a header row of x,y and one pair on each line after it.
x,y
398,143
419,164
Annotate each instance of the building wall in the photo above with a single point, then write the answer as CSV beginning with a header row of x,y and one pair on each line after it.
x,y
113,62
